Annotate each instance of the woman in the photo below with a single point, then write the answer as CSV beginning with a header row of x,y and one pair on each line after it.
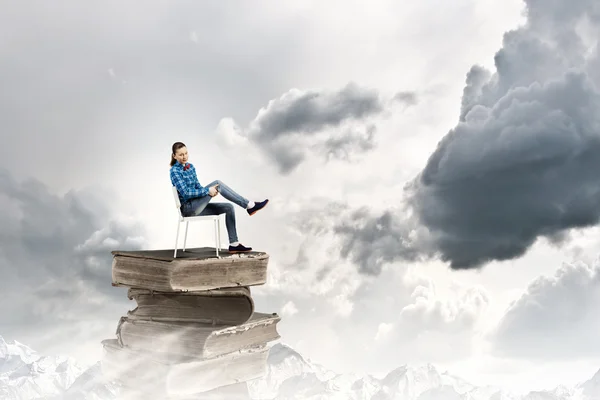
x,y
195,199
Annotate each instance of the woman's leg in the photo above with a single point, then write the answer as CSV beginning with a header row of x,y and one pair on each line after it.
x,y
227,209
195,206
230,194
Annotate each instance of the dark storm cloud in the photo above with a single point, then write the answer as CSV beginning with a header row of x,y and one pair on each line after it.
x,y
310,112
557,318
372,241
288,129
477,77
521,164
367,238
407,98
334,124
55,260
524,169
352,142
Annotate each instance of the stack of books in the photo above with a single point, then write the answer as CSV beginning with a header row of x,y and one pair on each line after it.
x,y
194,332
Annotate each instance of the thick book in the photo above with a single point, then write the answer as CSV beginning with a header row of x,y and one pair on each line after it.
x,y
193,270
230,306
183,377
181,339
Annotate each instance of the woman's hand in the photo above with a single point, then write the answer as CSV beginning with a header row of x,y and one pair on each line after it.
x,y
212,191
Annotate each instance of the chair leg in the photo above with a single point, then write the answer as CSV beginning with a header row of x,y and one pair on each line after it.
x,y
185,237
219,230
216,247
176,240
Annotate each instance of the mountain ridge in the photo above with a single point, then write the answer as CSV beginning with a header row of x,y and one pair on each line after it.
x,y
26,374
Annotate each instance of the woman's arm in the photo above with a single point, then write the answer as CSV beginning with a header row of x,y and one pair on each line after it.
x,y
186,190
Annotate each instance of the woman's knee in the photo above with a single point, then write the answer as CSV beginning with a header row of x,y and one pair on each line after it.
x,y
229,208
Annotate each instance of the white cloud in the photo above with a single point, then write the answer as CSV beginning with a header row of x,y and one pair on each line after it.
x,y
383,330
229,134
427,310
289,309
396,317
55,264
556,318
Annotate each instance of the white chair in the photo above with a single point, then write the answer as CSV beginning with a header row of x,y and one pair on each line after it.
x,y
216,218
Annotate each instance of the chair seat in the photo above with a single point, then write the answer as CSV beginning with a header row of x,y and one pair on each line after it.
x,y
201,217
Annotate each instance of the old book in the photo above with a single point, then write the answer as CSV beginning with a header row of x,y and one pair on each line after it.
x,y
180,339
230,306
193,270
183,377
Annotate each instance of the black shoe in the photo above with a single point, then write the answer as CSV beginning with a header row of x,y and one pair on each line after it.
x,y
240,248
257,206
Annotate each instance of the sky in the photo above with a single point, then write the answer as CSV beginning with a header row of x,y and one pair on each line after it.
x,y
431,168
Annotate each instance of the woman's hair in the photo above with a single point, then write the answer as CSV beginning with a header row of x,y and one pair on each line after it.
x,y
176,146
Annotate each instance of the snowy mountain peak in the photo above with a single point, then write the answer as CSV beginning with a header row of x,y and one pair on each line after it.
x,y
426,372
13,348
411,382
591,388
284,357
279,352
24,374
289,375
425,382
596,377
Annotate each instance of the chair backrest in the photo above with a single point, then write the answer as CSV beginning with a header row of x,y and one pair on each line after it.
x,y
177,201
176,196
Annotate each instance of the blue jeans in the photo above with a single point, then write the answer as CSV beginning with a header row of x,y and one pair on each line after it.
x,y
202,206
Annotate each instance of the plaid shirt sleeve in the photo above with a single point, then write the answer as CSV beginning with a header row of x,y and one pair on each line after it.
x,y
186,184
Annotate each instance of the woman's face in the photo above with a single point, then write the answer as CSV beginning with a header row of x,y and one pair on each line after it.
x,y
181,155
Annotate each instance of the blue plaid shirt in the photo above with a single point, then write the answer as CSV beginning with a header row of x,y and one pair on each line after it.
x,y
186,182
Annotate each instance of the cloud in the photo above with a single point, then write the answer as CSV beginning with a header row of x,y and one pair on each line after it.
x,y
412,322
368,238
395,315
289,309
372,240
434,327
333,124
98,77
520,165
407,98
427,311
555,319
55,264
383,331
